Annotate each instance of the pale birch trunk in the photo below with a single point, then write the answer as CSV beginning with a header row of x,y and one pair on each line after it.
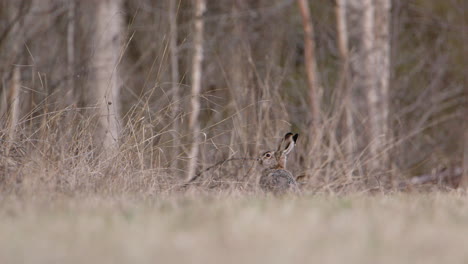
x,y
194,125
103,92
357,108
367,85
377,40
370,86
175,79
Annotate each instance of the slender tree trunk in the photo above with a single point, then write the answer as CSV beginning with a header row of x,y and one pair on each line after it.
x,y
175,79
464,179
240,95
343,85
368,72
369,116
69,99
310,63
69,95
13,86
103,93
14,107
342,28
194,125
377,46
357,110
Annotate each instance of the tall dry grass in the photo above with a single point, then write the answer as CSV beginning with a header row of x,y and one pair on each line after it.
x,y
48,156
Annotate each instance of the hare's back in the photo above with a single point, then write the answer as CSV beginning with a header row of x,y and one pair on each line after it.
x,y
277,181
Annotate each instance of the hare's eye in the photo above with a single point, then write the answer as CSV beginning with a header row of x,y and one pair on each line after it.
x,y
268,155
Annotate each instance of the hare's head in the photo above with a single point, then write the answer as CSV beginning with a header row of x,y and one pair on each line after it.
x,y
277,159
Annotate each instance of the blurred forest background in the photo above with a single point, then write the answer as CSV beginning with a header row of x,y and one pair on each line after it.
x,y
143,95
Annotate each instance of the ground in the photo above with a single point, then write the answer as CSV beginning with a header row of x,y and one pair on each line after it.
x,y
236,228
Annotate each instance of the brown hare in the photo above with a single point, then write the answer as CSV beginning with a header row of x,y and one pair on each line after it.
x,y
275,178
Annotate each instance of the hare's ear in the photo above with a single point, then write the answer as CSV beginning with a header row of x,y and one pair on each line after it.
x,y
288,143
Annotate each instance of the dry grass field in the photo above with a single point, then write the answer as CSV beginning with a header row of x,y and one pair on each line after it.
x,y
190,228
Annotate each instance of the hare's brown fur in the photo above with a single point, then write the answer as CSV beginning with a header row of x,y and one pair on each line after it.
x,y
275,178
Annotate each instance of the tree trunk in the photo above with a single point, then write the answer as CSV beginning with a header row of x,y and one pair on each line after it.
x,y
240,94
343,85
367,84
377,46
103,93
69,94
13,106
194,125
13,93
464,179
342,28
175,79
370,86
310,64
